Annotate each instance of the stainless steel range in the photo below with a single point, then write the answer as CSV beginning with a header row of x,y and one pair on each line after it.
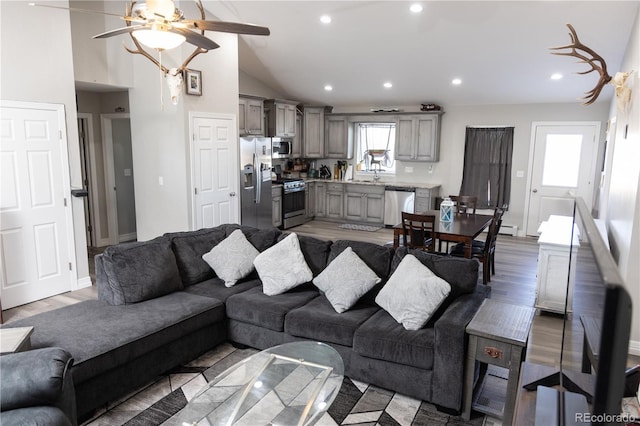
x,y
293,202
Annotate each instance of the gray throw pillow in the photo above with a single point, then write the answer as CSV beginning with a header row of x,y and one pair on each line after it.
x,y
346,280
413,293
282,266
232,259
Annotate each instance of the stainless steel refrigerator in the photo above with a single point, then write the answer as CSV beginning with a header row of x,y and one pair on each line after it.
x,y
255,182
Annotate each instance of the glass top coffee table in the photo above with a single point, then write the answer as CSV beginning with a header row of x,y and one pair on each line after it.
x,y
291,384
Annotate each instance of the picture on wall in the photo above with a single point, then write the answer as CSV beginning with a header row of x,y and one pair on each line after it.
x,y
193,82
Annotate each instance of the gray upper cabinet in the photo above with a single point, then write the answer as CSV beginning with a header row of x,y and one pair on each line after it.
x,y
251,116
296,145
338,141
281,117
313,131
418,137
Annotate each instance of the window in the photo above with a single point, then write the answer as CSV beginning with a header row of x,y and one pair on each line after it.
x,y
375,144
487,165
561,166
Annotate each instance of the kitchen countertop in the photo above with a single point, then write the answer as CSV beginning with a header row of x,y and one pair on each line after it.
x,y
422,185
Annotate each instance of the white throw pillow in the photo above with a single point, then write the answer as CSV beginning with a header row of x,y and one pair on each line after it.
x,y
413,293
282,267
345,280
232,258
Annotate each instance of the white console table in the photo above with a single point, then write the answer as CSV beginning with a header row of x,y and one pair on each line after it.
x,y
553,263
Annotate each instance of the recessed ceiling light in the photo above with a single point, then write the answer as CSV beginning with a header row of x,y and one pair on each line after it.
x,y
456,82
325,19
328,88
388,85
556,76
416,8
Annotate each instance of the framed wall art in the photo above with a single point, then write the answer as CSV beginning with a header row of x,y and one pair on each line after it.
x,y
193,82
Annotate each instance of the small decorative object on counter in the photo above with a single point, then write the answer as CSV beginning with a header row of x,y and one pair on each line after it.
x,y
446,210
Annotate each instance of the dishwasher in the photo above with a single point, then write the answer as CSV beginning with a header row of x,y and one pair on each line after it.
x,y
397,199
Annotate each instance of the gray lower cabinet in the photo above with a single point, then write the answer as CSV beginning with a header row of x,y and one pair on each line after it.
x,y
321,199
276,206
364,203
418,137
310,200
426,199
335,200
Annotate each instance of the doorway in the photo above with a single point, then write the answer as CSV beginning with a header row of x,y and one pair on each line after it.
x,y
121,208
562,166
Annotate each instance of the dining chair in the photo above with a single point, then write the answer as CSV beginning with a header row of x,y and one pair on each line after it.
x,y
485,253
417,231
464,203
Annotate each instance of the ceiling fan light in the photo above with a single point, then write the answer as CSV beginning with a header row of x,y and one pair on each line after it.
x,y
159,39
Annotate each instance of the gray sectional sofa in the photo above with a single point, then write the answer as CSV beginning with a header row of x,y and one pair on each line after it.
x,y
160,305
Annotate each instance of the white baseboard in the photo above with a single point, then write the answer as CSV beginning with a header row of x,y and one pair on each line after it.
x,y
84,282
634,347
506,229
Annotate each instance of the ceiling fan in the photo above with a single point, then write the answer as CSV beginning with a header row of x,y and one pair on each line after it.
x,y
158,24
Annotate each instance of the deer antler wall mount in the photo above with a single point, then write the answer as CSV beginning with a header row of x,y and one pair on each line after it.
x,y
173,76
588,56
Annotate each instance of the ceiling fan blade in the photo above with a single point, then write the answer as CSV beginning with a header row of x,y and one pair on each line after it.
x,y
195,38
95,12
229,27
120,31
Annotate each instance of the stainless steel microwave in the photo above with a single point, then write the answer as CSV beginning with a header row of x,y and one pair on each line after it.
x,y
280,148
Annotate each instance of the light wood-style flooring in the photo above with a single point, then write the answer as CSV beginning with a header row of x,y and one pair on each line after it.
x,y
514,282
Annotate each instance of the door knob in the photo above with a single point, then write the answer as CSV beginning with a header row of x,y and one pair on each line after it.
x,y
534,190
232,194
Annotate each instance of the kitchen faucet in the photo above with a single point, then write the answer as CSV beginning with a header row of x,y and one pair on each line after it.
x,y
375,175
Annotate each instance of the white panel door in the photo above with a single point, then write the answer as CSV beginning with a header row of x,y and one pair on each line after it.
x,y
563,167
214,164
35,230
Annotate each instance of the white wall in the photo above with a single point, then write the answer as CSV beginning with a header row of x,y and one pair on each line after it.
x,y
623,209
448,171
37,66
161,139
252,86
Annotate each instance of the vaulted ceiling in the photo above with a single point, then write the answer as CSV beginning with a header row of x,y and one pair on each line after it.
x,y
499,49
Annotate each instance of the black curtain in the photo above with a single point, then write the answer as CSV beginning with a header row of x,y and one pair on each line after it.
x,y
487,165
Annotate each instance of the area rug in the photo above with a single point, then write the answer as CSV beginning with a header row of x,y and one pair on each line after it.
x,y
356,404
356,227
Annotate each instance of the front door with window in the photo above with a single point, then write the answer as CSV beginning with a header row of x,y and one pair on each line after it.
x,y
563,167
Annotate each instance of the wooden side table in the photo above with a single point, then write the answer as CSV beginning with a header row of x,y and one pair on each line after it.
x,y
498,335
16,339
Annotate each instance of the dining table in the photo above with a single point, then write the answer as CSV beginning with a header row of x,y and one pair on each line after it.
x,y
464,228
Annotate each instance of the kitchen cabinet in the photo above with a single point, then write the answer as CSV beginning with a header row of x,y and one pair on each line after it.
x,y
276,205
251,115
418,137
310,200
338,142
364,203
321,199
296,144
313,131
426,199
281,117
335,200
